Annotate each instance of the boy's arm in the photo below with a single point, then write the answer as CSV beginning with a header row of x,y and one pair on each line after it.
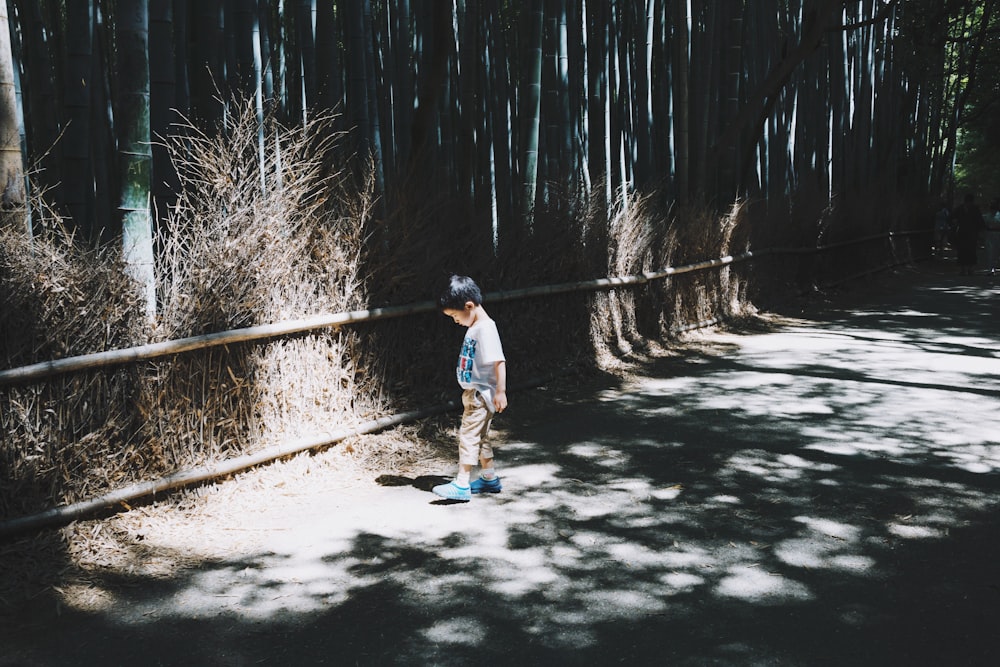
x,y
500,396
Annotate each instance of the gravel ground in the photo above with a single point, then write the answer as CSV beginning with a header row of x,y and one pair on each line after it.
x,y
821,490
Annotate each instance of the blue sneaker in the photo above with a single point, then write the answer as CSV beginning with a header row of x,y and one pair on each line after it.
x,y
480,485
453,491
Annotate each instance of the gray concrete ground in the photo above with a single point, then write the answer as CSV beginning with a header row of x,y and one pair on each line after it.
x,y
823,493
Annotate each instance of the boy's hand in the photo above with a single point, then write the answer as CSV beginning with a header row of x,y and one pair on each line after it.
x,y
500,395
500,401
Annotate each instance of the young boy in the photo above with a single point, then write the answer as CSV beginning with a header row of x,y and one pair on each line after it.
x,y
482,374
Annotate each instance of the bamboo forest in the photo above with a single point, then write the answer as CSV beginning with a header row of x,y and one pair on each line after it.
x,y
502,107
175,170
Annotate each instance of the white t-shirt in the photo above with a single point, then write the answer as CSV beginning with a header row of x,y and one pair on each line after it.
x,y
481,349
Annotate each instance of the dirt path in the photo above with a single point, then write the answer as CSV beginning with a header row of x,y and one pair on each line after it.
x,y
823,493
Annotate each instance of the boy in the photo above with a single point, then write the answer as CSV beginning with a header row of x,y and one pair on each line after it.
x,y
482,374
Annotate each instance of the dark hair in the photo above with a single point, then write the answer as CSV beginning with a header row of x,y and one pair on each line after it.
x,y
460,290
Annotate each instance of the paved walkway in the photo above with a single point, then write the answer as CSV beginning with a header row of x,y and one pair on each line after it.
x,y
825,493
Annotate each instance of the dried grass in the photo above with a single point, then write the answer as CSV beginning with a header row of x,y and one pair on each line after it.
x,y
243,246
643,236
246,248
60,299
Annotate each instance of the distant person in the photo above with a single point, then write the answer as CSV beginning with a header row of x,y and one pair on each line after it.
x,y
942,228
969,226
482,374
993,237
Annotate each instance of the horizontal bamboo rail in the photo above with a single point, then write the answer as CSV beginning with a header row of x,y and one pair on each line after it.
x,y
172,347
93,360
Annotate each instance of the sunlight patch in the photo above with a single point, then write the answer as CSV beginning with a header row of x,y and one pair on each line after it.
x,y
636,486
977,467
909,312
86,598
632,554
756,462
836,529
681,581
621,503
852,563
803,407
887,446
589,450
979,458
622,603
534,475
586,539
255,592
751,583
668,493
801,553
794,461
835,448
693,558
516,579
666,386
465,631
915,532
531,565
639,520
664,411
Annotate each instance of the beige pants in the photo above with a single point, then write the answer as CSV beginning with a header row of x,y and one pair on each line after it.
x,y
472,444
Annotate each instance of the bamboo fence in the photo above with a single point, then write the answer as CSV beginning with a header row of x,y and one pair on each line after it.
x,y
94,360
34,372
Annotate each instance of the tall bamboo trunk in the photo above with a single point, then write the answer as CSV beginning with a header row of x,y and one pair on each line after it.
x,y
501,128
38,86
78,180
162,105
207,64
11,160
329,82
733,173
682,99
403,91
597,97
468,53
531,110
642,108
306,42
374,128
135,157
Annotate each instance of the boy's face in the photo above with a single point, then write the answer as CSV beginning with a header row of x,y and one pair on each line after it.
x,y
466,317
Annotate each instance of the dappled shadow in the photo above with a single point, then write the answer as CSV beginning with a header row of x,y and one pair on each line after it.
x,y
823,496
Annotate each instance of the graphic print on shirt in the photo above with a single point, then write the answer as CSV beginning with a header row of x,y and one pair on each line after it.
x,y
465,359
